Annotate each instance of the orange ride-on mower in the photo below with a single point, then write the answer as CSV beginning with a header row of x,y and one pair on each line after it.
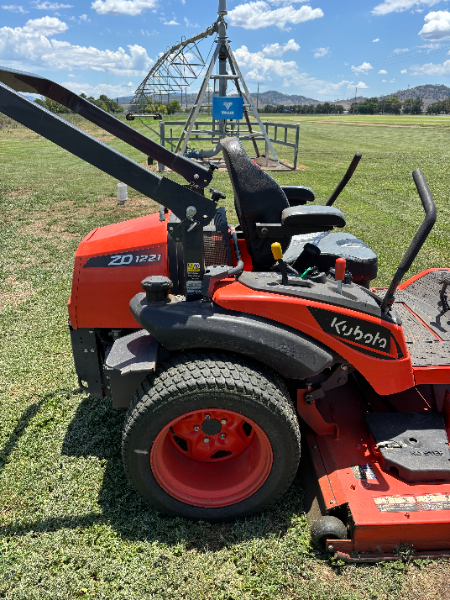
x,y
222,344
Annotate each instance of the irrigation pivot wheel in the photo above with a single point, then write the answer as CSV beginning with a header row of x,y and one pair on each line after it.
x,y
211,437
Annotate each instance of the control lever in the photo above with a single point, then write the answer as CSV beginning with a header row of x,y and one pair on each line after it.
x,y
339,273
277,253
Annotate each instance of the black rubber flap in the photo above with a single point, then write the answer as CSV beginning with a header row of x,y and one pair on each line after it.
x,y
415,444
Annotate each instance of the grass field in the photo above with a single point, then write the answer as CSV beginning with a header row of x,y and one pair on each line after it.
x,y
70,527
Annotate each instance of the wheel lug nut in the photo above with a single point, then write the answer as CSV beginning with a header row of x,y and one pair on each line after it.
x,y
222,436
223,421
196,428
207,417
206,440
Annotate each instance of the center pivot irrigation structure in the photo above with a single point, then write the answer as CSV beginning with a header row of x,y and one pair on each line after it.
x,y
180,66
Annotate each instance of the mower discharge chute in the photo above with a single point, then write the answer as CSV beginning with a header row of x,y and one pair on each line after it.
x,y
240,337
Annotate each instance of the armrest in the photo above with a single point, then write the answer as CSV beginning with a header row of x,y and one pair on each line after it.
x,y
298,194
310,216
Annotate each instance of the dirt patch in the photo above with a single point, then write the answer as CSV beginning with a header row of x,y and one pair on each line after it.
x,y
429,582
14,292
19,193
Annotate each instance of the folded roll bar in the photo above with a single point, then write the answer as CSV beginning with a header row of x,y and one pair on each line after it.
x,y
33,84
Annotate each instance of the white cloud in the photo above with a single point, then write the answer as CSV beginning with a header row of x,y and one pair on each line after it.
x,y
376,40
14,8
364,68
123,7
360,85
172,22
46,26
321,52
392,81
382,72
384,81
277,50
112,91
437,26
85,18
430,46
400,50
389,6
189,24
258,14
28,48
403,71
50,5
432,69
266,69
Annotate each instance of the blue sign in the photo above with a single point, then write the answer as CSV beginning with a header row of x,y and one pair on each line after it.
x,y
228,108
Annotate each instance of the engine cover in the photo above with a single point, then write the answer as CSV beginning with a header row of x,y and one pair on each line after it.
x,y
110,264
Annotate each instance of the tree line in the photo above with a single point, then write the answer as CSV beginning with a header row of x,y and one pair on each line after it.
x,y
371,106
327,108
168,108
103,102
437,108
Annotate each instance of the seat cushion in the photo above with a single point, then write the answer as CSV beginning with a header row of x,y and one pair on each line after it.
x,y
313,216
362,262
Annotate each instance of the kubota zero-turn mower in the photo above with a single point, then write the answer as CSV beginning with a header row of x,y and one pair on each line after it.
x,y
222,350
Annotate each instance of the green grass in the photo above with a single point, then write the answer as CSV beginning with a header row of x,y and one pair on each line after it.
x,y
70,527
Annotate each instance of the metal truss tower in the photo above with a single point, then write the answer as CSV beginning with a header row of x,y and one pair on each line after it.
x,y
176,70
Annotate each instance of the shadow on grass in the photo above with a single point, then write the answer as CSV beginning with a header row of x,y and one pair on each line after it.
x,y
96,430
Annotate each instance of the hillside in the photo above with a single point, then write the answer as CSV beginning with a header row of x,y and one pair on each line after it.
x,y
429,93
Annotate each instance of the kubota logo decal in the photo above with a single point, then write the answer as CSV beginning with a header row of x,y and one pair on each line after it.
x,y
363,336
343,329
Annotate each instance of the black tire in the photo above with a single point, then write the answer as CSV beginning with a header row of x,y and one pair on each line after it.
x,y
199,380
327,528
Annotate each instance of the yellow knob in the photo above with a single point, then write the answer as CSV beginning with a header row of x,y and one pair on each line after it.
x,y
277,251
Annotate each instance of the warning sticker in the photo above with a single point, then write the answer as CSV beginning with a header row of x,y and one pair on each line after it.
x,y
434,502
193,267
396,503
363,472
193,287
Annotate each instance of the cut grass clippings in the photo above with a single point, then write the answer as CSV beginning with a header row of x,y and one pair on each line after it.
x,y
70,526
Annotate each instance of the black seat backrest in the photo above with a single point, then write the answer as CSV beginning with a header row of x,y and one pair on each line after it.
x,y
258,199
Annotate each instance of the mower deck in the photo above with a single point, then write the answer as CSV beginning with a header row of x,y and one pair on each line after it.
x,y
387,511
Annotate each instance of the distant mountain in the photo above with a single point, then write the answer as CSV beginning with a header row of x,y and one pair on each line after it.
x,y
271,97
429,93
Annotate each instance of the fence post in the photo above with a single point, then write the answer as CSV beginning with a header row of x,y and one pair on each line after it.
x,y
266,150
162,137
297,136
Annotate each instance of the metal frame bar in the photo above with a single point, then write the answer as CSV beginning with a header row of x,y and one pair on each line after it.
x,y
169,193
27,82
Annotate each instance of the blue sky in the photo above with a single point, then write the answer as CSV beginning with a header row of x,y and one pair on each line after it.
x,y
319,48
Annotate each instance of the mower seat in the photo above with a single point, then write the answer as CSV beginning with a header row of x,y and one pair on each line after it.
x,y
265,217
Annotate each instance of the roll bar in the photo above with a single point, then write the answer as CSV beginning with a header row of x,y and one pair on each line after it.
x,y
418,240
28,82
168,193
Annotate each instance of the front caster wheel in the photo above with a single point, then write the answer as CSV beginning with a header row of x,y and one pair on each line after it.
x,y
327,528
211,437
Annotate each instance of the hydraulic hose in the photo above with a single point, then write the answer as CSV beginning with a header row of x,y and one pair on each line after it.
x,y
240,265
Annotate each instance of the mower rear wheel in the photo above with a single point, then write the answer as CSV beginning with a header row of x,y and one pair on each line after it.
x,y
211,437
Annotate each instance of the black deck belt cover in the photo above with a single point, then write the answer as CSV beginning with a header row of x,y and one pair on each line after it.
x,y
179,325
